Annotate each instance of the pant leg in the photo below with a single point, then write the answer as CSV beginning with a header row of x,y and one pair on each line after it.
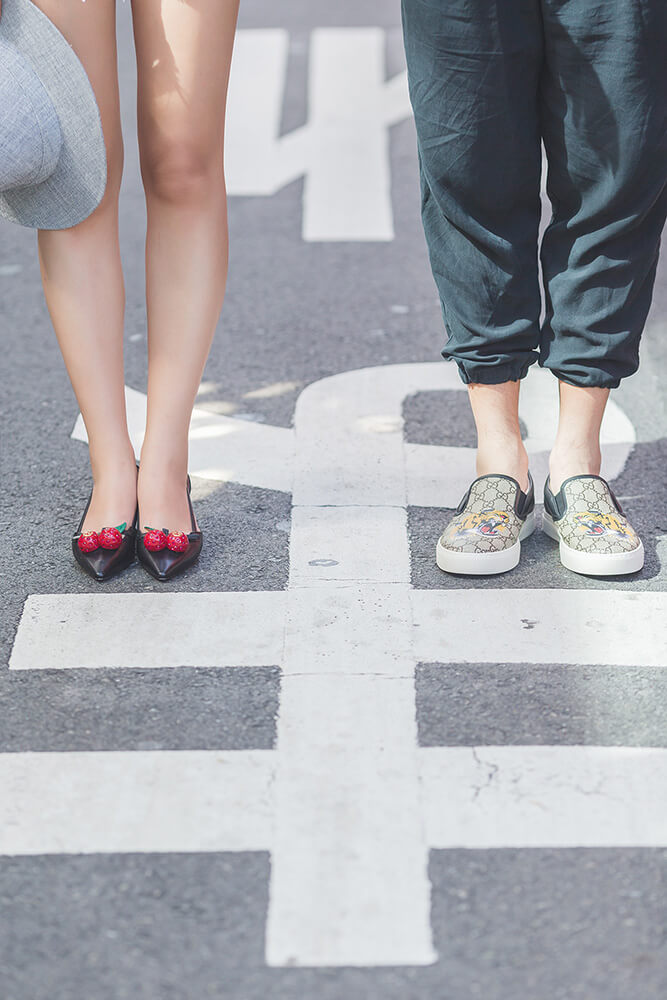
x,y
474,68
604,115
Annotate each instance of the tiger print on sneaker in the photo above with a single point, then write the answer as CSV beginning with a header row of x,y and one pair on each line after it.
x,y
593,533
485,535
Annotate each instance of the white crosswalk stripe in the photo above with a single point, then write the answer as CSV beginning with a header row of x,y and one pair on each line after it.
x,y
67,631
542,626
159,801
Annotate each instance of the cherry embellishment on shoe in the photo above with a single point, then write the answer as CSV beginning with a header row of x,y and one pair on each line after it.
x,y
105,553
177,541
166,554
155,540
112,538
89,541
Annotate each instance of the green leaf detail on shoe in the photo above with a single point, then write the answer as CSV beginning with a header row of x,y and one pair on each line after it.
x,y
121,527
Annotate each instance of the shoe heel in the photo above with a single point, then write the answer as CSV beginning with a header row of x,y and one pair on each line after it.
x,y
549,528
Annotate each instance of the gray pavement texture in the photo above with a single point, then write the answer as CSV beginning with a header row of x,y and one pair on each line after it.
x,y
508,925
538,924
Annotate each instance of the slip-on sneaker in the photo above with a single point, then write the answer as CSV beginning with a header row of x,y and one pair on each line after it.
x,y
594,535
485,535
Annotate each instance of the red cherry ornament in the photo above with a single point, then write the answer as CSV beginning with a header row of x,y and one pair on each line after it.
x,y
155,540
89,541
177,541
110,538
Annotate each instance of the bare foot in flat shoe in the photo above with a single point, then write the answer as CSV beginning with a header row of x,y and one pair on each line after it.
x,y
114,498
163,499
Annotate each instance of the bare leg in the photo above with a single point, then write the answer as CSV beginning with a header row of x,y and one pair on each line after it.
x,y
183,54
499,445
83,281
576,450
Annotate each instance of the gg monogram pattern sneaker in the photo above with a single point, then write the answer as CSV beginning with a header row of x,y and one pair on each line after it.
x,y
485,535
594,535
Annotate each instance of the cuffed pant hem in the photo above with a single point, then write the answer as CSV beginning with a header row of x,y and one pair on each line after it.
x,y
490,373
597,380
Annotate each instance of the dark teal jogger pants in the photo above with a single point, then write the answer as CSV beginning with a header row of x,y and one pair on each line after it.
x,y
490,81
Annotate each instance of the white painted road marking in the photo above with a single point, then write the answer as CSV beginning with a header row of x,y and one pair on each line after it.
x,y
163,800
471,797
342,150
224,449
228,449
545,796
575,627
614,627
149,630
352,810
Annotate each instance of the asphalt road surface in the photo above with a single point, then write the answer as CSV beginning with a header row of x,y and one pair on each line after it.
x,y
317,767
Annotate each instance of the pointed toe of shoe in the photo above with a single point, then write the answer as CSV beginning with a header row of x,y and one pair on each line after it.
x,y
165,564
103,564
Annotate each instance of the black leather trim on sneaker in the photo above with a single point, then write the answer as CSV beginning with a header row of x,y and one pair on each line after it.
x,y
524,503
616,503
466,496
555,504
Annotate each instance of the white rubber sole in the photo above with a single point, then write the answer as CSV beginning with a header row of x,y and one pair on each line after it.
x,y
484,563
592,563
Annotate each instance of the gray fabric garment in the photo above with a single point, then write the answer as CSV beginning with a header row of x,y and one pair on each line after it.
x,y
50,195
30,136
490,80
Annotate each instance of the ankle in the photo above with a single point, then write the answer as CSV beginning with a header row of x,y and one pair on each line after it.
x,y
111,464
504,458
114,496
163,499
574,460
166,462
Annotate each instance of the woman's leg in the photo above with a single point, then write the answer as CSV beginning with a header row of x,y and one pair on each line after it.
x,y
183,53
83,281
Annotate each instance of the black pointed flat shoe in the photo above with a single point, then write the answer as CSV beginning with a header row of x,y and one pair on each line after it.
x,y
166,554
103,554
